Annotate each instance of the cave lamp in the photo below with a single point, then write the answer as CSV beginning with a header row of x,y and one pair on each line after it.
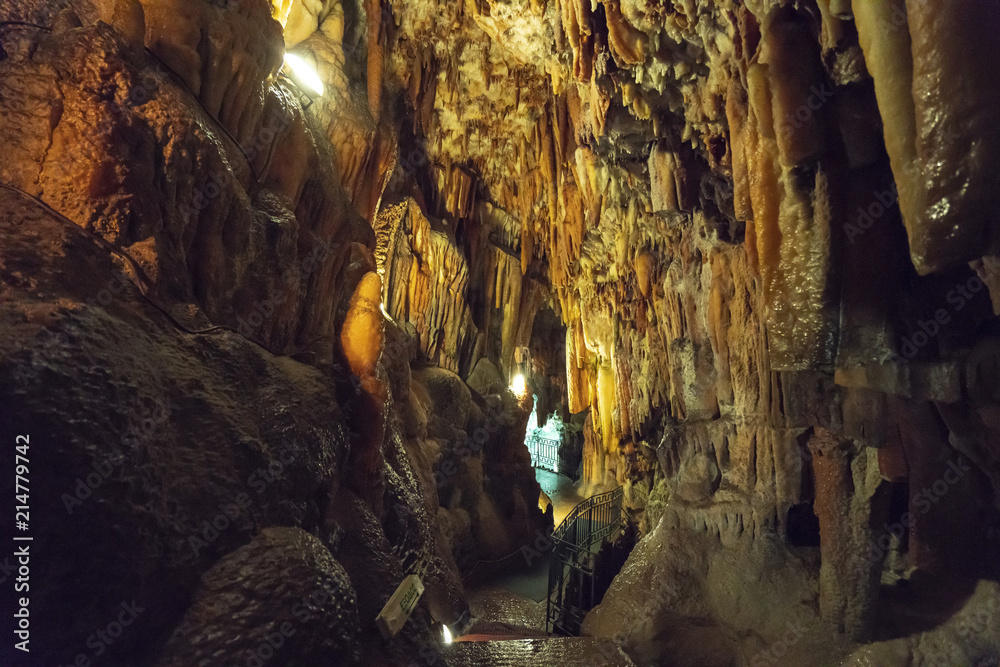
x,y
304,76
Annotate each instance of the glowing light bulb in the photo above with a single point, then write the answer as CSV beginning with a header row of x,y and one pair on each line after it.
x,y
304,74
518,385
447,634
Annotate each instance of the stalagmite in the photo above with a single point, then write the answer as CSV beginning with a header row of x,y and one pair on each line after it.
x,y
361,340
848,576
606,403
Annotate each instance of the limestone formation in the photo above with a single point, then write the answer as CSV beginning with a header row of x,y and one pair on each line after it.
x,y
262,338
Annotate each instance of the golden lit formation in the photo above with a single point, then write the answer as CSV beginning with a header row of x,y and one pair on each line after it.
x,y
500,332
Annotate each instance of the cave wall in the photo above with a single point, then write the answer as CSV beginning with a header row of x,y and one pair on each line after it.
x,y
765,229
224,424
762,226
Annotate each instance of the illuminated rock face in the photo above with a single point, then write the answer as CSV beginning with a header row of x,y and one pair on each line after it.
x,y
762,239
225,53
745,246
188,301
361,344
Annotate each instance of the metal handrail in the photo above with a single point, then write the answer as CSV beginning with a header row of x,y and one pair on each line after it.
x,y
584,506
572,567
544,452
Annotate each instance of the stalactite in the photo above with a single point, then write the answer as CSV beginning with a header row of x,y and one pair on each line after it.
x,y
433,295
737,110
795,74
607,395
765,185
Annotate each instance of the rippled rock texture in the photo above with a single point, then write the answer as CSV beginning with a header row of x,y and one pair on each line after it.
x,y
762,227
193,339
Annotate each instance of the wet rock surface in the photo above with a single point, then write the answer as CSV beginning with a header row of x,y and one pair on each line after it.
x,y
172,422
527,652
280,597
163,450
745,248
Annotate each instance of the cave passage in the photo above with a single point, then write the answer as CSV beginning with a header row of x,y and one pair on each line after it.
x,y
499,332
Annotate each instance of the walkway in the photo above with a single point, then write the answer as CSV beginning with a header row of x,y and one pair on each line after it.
x,y
508,602
498,611
568,651
561,491
526,574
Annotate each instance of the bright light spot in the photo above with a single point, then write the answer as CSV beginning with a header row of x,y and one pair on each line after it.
x,y
384,311
518,385
303,73
447,634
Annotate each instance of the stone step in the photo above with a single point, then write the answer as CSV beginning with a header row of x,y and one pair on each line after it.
x,y
562,651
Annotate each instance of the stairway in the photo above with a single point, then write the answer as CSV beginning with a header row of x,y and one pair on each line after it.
x,y
543,652
504,640
575,580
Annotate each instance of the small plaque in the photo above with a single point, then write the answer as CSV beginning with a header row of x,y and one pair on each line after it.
x,y
397,610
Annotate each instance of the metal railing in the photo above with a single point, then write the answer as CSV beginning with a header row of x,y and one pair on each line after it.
x,y
572,564
544,452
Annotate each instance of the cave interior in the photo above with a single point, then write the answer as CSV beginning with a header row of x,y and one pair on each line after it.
x,y
500,332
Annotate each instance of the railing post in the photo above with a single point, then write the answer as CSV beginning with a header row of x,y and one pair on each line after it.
x,y
570,597
544,452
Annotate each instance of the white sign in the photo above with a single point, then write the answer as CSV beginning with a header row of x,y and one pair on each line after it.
x,y
397,610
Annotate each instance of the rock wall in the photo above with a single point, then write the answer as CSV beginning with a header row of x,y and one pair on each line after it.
x,y
764,227
740,209
193,341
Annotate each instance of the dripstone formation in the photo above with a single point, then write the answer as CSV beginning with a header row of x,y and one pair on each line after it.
x,y
262,337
